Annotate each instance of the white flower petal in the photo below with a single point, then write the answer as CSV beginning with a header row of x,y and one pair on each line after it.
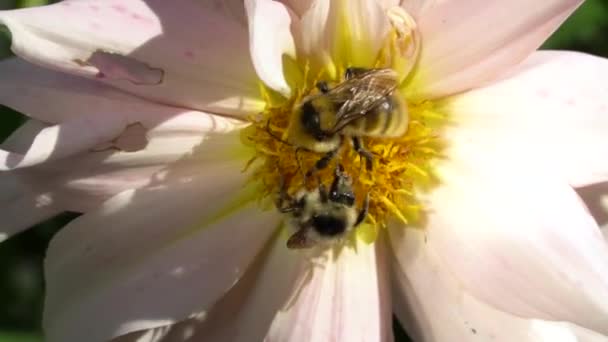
x,y
84,181
554,106
349,32
344,297
21,208
434,306
88,114
467,43
270,41
299,7
152,256
518,238
181,145
314,38
193,55
246,312
65,139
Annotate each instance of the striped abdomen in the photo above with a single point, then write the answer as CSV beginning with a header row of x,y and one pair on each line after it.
x,y
389,119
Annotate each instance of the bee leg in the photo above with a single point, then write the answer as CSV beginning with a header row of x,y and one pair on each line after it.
x,y
340,191
284,197
269,131
363,212
363,153
322,163
323,192
300,240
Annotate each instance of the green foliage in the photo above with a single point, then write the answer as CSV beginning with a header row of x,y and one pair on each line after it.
x,y
19,337
21,282
584,31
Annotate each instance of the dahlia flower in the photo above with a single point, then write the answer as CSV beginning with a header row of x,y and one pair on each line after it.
x,y
149,116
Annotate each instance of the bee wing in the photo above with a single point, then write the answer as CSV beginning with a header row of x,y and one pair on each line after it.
x,y
361,94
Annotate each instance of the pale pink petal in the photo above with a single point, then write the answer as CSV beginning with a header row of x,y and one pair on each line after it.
x,y
65,139
247,311
88,114
344,296
153,256
21,208
517,237
193,55
314,34
388,3
184,145
415,7
54,97
467,43
83,182
515,233
270,41
347,299
434,306
299,7
553,107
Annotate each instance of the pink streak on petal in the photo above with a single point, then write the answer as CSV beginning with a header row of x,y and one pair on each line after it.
x,y
543,93
189,54
119,8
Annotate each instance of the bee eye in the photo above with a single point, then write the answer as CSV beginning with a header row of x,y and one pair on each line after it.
x,y
311,120
327,225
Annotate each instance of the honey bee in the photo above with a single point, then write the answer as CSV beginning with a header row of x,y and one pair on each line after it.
x,y
364,104
319,216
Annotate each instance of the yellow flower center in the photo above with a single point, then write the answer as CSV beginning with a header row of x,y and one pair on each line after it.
x,y
401,167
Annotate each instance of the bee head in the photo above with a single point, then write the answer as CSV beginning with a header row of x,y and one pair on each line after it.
x,y
311,121
328,225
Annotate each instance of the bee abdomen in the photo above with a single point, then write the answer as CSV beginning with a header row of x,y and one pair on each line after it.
x,y
389,119
399,118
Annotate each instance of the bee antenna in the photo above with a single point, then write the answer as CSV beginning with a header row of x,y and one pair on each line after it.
x,y
273,135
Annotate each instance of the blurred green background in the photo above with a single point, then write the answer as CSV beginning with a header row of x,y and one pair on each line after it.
x,y
21,281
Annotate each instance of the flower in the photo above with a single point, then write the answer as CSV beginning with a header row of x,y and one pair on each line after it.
x,y
136,109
